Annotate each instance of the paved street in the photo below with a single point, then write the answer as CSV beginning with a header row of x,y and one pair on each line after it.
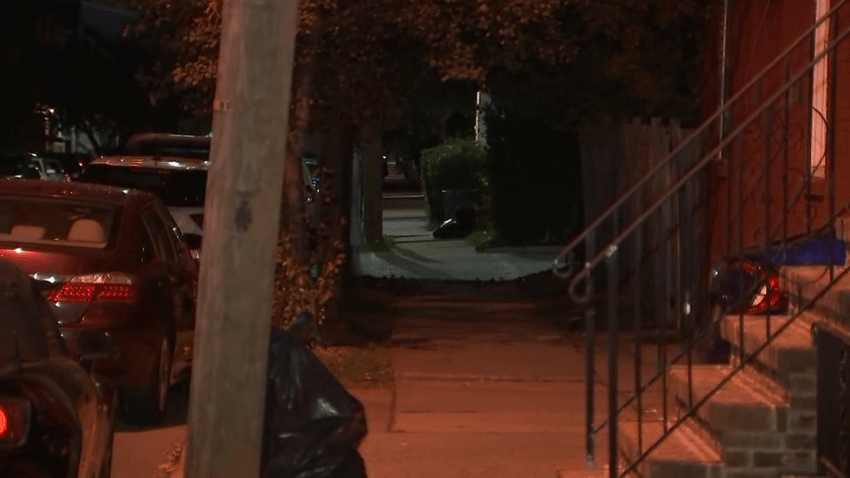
x,y
138,453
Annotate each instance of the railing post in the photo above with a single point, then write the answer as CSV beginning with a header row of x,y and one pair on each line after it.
x,y
768,131
832,75
638,330
613,377
589,368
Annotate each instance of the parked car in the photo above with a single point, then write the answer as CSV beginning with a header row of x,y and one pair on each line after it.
x,y
56,419
180,182
71,163
110,260
32,166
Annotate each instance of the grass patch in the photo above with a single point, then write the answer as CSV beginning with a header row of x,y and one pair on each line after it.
x,y
363,367
480,239
364,315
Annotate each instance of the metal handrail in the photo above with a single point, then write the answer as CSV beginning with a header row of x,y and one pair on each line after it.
x,y
601,218
732,373
611,248
674,207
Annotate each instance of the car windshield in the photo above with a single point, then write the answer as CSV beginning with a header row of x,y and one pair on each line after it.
x,y
29,332
184,148
176,188
55,221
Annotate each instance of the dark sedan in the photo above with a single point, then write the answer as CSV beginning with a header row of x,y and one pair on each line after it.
x,y
55,418
110,260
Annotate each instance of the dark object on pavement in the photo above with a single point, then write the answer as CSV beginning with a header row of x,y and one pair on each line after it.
x,y
460,226
305,329
110,261
55,418
313,426
744,287
741,287
450,229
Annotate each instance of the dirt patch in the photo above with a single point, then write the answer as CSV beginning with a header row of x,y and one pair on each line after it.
x,y
361,367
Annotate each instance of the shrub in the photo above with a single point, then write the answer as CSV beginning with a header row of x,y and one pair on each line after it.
x,y
535,177
458,163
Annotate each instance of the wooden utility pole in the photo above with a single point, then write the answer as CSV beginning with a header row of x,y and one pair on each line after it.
x,y
240,233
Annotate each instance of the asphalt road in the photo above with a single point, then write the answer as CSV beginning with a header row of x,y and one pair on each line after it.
x,y
138,452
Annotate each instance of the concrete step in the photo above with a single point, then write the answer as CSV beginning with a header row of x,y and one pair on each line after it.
x,y
685,453
562,473
790,353
787,367
804,283
740,405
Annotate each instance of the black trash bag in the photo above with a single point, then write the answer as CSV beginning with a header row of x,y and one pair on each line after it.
x,y
458,227
313,426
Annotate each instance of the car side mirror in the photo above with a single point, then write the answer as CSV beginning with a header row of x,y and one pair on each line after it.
x,y
193,241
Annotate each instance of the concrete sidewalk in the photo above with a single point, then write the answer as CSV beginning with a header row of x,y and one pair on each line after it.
x,y
499,394
494,394
417,255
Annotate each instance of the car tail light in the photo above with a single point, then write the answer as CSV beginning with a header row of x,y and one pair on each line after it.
x,y
14,421
113,286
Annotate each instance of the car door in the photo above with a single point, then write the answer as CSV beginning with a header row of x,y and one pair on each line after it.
x,y
183,272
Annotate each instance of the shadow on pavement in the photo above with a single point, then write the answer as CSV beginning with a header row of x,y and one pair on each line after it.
x,y
176,411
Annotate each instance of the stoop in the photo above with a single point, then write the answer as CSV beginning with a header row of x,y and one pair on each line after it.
x,y
761,422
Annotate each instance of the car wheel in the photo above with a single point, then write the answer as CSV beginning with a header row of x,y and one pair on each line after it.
x,y
106,467
146,405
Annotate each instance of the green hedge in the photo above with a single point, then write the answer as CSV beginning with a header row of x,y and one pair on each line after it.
x,y
458,163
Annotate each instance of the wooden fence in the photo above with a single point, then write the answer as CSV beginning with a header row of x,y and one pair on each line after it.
x,y
674,246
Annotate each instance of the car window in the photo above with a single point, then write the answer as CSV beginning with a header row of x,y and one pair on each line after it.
x,y
176,188
53,167
159,234
56,221
175,235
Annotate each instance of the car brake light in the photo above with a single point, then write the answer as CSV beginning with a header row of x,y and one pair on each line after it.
x,y
113,286
14,422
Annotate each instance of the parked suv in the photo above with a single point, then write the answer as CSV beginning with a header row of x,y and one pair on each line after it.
x,y
165,144
180,183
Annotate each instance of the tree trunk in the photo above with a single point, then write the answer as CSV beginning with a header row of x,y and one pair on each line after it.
x,y
89,132
371,148
333,217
